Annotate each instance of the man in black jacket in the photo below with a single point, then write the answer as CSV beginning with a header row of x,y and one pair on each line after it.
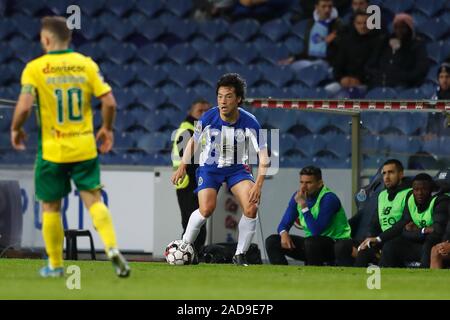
x,y
422,226
401,59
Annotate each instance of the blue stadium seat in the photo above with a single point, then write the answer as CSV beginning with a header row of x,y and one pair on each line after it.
x,y
251,74
432,146
312,75
429,7
434,29
244,30
412,94
124,98
314,121
180,8
107,43
182,29
309,93
91,8
294,45
27,26
275,30
381,93
5,119
295,161
273,52
119,7
120,30
123,142
58,7
282,119
279,76
174,117
7,28
299,29
202,45
339,124
151,76
6,75
149,8
183,76
244,55
122,53
436,52
396,6
92,29
29,7
155,121
152,30
419,17
400,145
288,144
213,55
28,52
311,145
91,49
121,76
213,30
153,53
182,53
340,145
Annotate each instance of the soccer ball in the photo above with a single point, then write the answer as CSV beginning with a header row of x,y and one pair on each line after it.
x,y
178,253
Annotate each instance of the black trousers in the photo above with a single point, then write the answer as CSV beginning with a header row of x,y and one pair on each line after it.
x,y
399,251
188,203
314,251
367,256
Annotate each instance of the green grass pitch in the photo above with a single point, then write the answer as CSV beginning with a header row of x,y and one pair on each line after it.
x,y
19,279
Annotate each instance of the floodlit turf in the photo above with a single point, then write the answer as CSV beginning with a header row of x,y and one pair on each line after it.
x,y
19,280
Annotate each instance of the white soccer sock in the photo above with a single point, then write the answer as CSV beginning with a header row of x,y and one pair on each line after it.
x,y
247,229
196,221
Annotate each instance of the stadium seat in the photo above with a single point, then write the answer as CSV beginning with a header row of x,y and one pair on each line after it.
x,y
395,6
429,7
299,29
58,7
91,8
245,29
282,119
312,75
435,51
279,76
314,121
275,30
151,76
27,26
182,54
121,76
202,45
182,29
434,29
119,7
151,30
120,30
338,144
294,45
381,93
153,53
243,54
272,52
123,142
152,143
7,28
174,117
27,52
251,74
412,94
180,8
122,53
288,144
29,7
92,30
311,145
213,30
213,55
401,145
6,75
91,49
124,98
183,76
149,8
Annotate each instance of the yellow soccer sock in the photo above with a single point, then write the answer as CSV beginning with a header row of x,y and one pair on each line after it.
x,y
102,220
53,234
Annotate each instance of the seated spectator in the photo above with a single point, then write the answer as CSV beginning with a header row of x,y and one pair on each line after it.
x,y
422,226
320,38
327,232
401,59
262,10
443,91
357,6
355,49
308,7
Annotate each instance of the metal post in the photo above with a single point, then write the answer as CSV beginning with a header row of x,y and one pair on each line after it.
x,y
356,158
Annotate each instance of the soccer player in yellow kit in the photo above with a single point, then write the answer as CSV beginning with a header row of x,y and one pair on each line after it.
x,y
61,84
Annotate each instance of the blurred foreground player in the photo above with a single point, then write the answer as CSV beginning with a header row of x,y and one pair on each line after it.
x,y
61,83
226,129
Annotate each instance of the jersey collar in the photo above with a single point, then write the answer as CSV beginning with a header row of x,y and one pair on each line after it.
x,y
60,51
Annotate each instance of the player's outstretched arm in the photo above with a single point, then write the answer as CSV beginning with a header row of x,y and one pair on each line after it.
x,y
105,134
179,174
21,114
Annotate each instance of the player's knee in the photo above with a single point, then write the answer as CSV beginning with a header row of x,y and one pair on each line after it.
x,y
207,210
251,211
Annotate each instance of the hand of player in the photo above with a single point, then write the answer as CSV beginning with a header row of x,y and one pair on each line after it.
x,y
428,230
411,226
18,138
255,194
367,243
444,248
179,174
106,136
286,241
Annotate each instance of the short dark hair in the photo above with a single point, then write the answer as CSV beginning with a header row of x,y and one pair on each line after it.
x,y
359,13
319,1
396,162
235,81
311,171
57,26
423,177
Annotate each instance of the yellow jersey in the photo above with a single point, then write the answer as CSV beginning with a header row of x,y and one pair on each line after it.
x,y
64,83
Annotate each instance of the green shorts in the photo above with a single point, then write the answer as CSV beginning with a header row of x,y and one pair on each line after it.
x,y
52,180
